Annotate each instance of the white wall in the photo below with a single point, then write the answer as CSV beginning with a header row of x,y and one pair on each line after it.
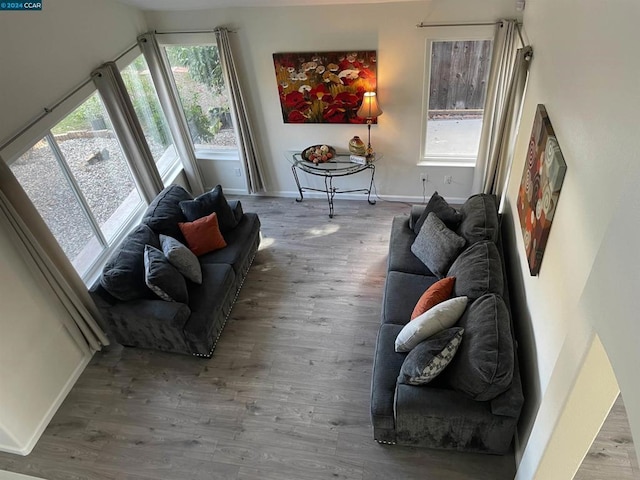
x,y
45,55
388,28
585,70
39,360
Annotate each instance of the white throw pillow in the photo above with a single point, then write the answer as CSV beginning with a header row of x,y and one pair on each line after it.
x,y
436,319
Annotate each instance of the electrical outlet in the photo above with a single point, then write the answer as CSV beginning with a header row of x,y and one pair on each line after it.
x,y
238,172
424,178
448,179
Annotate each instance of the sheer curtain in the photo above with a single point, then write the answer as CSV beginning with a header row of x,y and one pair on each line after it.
x,y
128,130
507,81
41,251
248,148
168,95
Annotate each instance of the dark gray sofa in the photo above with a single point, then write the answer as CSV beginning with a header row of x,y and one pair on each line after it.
x,y
439,415
191,328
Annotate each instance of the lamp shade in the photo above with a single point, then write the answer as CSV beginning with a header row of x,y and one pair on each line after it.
x,y
369,107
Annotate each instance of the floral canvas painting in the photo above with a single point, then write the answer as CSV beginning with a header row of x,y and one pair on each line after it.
x,y
324,87
540,187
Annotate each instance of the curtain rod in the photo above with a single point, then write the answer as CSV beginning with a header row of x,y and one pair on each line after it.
x,y
192,31
47,110
478,24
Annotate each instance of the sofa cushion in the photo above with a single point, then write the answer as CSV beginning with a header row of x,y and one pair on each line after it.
x,y
386,365
400,257
123,274
207,300
203,235
479,219
483,366
430,357
438,205
182,258
163,214
208,203
478,270
437,246
401,292
442,316
238,244
162,278
435,294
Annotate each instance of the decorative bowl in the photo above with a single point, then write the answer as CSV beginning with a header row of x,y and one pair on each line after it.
x,y
319,153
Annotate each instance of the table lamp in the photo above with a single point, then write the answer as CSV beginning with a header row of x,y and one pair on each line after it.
x,y
369,109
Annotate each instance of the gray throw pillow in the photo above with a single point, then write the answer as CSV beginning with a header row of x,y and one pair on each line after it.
x,y
438,205
478,270
437,246
206,204
182,258
430,357
483,366
123,274
162,278
479,219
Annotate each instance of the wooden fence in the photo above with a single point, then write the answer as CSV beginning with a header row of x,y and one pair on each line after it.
x,y
459,73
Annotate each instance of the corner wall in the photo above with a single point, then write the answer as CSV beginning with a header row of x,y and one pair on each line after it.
x,y
44,56
389,28
585,71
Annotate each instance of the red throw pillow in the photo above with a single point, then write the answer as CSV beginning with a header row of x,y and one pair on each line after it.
x,y
435,294
203,235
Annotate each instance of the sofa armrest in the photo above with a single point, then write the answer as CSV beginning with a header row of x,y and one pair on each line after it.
x,y
146,312
416,211
442,418
236,207
149,324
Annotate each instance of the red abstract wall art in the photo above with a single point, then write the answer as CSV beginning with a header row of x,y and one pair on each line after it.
x,y
324,87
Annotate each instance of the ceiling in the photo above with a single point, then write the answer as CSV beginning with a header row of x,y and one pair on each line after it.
x,y
204,4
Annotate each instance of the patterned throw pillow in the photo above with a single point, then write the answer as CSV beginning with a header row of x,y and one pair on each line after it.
x,y
203,235
430,357
439,318
162,278
182,258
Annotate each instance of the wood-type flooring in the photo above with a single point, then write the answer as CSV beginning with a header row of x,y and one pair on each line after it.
x,y
612,455
285,395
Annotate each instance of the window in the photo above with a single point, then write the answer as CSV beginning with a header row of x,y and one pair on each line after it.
x,y
142,92
455,91
198,76
79,181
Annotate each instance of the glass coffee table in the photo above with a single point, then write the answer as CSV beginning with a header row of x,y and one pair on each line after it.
x,y
338,166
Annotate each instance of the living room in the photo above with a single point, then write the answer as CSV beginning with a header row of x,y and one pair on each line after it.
x,y
578,47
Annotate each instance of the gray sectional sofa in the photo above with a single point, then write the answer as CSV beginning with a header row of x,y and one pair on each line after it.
x,y
475,403
133,315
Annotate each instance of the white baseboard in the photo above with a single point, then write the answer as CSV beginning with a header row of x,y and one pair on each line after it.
x,y
26,449
16,476
352,196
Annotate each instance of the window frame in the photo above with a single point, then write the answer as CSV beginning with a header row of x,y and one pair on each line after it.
x,y
168,166
195,40
38,131
446,34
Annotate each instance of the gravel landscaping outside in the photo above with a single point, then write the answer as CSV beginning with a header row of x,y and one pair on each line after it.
x,y
100,169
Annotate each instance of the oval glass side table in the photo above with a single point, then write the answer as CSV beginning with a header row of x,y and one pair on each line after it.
x,y
339,166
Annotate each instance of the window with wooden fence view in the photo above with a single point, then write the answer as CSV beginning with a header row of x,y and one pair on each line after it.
x,y
458,75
